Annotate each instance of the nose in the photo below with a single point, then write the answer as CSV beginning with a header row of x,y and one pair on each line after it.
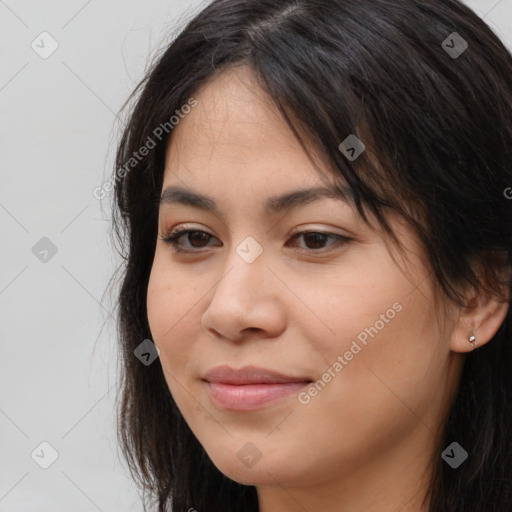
x,y
245,299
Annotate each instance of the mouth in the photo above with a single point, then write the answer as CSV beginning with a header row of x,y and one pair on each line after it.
x,y
250,388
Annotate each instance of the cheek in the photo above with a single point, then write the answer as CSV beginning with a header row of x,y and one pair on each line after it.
x,y
346,305
388,385
380,327
172,325
174,310
167,298
160,305
168,312
390,371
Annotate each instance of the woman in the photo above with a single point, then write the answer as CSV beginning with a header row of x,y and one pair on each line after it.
x,y
314,308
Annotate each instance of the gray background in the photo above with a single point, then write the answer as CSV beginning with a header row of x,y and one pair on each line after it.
x,y
58,129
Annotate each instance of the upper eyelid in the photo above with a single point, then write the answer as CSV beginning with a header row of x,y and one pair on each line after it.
x,y
300,230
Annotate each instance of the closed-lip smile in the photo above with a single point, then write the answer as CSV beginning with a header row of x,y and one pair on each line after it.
x,y
250,387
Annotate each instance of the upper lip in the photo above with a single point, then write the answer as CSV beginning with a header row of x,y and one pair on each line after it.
x,y
249,375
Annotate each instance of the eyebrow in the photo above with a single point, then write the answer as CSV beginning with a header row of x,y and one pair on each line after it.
x,y
272,205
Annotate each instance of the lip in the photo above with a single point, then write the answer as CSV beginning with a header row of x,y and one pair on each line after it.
x,y
250,387
249,375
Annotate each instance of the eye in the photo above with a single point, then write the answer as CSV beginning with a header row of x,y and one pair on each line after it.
x,y
200,237
315,240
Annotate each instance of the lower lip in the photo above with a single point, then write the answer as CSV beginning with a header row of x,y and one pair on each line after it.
x,y
249,397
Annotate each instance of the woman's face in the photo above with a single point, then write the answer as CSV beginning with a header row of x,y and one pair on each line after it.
x,y
335,311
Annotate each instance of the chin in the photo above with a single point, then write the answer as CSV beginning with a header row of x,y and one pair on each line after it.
x,y
264,472
252,476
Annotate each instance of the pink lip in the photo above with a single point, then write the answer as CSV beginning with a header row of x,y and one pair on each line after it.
x,y
249,388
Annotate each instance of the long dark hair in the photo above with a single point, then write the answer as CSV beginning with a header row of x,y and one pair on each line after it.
x,y
426,85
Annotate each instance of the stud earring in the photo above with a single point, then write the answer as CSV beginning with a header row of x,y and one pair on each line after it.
x,y
473,342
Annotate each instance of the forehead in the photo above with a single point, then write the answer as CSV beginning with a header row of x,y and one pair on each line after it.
x,y
236,135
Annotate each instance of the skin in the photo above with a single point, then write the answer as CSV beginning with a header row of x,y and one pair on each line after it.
x,y
363,443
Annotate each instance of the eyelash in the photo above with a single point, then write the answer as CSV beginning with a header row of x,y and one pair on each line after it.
x,y
172,238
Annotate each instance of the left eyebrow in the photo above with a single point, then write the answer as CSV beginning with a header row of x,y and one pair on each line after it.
x,y
272,205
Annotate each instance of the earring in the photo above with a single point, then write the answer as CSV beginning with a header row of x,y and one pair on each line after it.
x,y
473,342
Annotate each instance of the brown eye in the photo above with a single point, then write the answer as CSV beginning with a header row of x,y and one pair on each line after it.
x,y
197,239
315,240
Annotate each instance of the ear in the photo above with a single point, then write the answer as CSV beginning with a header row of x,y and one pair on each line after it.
x,y
481,318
